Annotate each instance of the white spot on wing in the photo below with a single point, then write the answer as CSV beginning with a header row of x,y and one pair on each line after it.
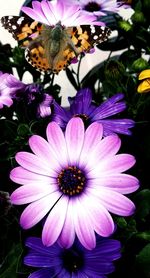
x,y
14,27
95,37
19,21
92,29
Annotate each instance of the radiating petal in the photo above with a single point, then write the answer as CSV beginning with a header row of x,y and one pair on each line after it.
x,y
63,273
57,10
38,16
23,176
101,268
37,260
55,221
31,192
114,201
109,107
56,139
36,245
47,9
67,235
93,136
44,151
34,212
100,218
81,102
74,139
121,183
104,150
117,164
83,227
42,273
34,164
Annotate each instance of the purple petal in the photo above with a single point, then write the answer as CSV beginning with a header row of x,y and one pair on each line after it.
x,y
100,218
31,192
63,273
114,201
44,151
57,142
41,273
93,136
74,139
35,14
54,222
37,260
34,164
113,165
113,126
34,212
57,10
37,246
108,108
81,102
121,183
104,150
99,268
67,235
44,108
60,115
107,249
49,12
83,228
23,176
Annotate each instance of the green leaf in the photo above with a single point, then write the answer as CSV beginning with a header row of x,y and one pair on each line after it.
x,y
143,203
143,261
144,235
23,130
9,268
71,78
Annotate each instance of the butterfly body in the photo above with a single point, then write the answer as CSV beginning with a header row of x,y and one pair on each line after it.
x,y
52,38
52,48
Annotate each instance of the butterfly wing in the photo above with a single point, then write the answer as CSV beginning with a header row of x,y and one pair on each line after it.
x,y
85,37
23,29
27,31
35,55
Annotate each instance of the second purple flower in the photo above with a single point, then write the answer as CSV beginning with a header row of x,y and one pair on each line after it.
x,y
83,107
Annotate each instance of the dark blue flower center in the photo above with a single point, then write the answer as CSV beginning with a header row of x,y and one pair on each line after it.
x,y
92,7
73,260
71,181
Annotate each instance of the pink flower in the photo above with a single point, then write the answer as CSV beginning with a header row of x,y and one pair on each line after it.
x,y
75,179
13,89
59,11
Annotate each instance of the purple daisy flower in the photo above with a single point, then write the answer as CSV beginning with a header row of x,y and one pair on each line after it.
x,y
99,7
5,93
12,88
75,179
81,106
54,12
75,262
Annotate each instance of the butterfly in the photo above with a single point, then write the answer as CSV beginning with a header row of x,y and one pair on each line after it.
x,y
52,48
